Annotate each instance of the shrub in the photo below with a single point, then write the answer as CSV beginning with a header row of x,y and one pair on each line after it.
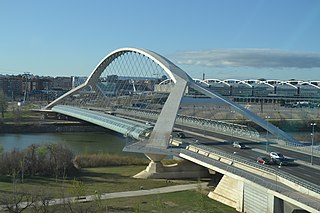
x,y
101,160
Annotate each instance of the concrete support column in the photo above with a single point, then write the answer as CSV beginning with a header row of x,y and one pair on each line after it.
x,y
182,170
229,191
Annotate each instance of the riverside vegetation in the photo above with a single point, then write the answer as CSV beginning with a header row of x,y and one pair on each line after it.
x,y
43,172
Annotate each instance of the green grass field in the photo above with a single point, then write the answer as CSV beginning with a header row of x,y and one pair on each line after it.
x,y
113,179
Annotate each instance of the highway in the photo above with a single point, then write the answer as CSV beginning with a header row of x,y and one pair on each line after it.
x,y
257,149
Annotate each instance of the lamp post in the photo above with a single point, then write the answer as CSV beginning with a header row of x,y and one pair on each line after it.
x,y
267,117
312,139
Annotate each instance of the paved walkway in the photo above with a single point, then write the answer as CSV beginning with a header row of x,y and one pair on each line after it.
x,y
105,196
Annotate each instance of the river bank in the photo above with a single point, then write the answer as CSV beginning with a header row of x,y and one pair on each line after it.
x,y
47,126
35,123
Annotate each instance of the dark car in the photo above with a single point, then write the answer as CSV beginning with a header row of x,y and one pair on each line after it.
x,y
263,160
280,161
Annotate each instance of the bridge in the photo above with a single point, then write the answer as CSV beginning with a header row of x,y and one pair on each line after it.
x,y
147,98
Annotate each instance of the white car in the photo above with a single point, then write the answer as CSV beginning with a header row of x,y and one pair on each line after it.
x,y
239,145
275,155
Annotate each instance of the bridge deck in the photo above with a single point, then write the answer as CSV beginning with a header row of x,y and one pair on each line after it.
x,y
128,128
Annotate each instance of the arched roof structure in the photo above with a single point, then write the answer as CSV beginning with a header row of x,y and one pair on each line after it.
x,y
236,81
310,84
287,83
201,81
216,81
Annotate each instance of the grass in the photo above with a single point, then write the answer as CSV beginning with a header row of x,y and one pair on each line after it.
x,y
102,179
186,201
115,179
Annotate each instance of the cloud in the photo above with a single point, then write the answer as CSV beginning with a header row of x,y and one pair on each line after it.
x,y
257,58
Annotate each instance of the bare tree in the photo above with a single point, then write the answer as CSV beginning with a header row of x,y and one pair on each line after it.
x,y
18,201
3,104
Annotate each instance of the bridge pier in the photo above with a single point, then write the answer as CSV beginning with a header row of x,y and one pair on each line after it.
x,y
229,191
181,170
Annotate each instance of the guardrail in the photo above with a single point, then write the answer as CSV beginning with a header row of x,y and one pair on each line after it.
x,y
301,182
269,184
221,127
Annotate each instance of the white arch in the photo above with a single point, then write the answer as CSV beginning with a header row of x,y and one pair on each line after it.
x,y
236,81
201,82
216,81
166,81
266,83
286,83
310,84
171,69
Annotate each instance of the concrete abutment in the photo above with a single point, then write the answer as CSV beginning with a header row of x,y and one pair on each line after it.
x,y
181,170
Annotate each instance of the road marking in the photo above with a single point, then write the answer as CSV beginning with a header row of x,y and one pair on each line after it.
x,y
307,175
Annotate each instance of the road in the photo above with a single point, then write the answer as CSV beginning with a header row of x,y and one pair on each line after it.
x,y
255,149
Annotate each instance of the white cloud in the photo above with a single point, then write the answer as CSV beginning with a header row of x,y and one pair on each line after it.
x,y
257,58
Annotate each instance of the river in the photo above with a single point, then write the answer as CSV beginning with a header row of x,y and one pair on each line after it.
x,y
78,142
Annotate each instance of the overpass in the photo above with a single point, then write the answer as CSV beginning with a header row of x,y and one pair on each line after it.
x,y
120,92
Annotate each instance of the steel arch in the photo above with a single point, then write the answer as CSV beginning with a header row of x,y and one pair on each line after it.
x,y
170,68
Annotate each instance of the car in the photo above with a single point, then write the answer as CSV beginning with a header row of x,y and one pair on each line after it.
x,y
181,135
280,161
275,155
149,124
263,160
239,145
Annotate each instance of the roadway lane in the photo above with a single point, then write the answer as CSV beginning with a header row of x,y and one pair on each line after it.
x,y
305,172
257,145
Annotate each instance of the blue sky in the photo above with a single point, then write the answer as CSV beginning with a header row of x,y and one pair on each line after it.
x,y
244,39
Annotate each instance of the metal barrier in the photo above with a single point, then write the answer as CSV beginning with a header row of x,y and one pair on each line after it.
x,y
292,178
221,127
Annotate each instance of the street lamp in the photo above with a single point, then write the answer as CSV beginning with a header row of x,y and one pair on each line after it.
x,y
312,139
267,117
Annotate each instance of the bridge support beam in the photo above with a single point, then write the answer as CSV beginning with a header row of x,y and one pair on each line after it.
x,y
229,191
181,170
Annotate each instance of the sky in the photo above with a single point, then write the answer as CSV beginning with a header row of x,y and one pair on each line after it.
x,y
224,39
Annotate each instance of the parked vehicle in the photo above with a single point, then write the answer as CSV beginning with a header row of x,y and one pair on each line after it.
x,y
263,160
239,145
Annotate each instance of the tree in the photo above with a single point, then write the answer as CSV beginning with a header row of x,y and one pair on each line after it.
x,y
3,103
1,149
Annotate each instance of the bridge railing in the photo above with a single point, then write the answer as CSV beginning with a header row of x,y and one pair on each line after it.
x,y
301,182
221,127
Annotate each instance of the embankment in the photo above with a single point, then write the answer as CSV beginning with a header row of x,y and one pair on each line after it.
x,y
49,126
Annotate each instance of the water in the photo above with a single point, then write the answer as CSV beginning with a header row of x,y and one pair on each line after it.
x,y
86,142
78,142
